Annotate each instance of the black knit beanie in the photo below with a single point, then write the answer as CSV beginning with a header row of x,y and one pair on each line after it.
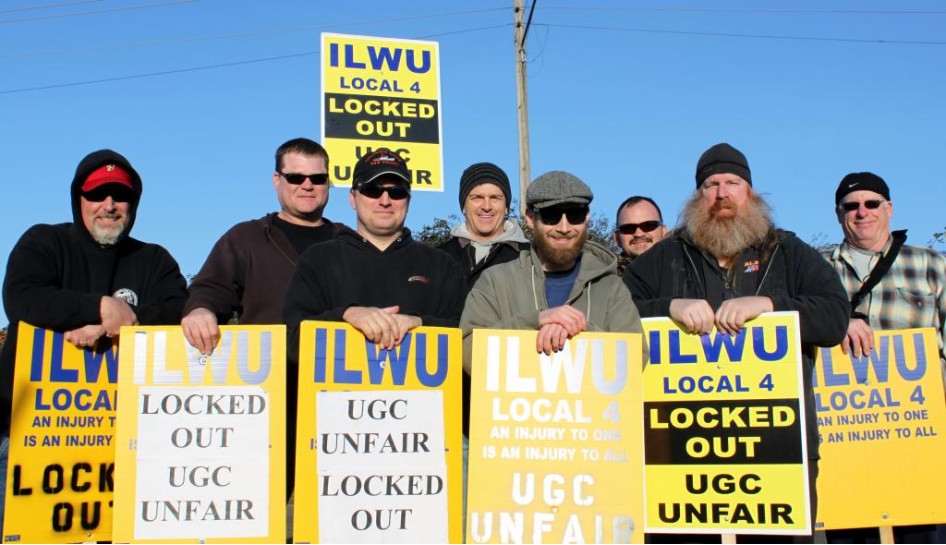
x,y
722,158
483,173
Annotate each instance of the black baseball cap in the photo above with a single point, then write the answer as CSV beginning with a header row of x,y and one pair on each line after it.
x,y
378,163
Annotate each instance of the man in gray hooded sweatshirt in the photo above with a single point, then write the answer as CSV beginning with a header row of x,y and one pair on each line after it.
x,y
486,237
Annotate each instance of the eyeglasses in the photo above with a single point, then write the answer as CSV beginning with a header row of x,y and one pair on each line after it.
x,y
395,192
551,216
298,179
872,204
631,228
117,192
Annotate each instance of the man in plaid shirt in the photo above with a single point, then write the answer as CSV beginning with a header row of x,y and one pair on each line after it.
x,y
911,294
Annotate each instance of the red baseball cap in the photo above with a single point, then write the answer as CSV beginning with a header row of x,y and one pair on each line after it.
x,y
107,174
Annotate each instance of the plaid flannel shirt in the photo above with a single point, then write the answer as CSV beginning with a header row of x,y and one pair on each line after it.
x,y
911,294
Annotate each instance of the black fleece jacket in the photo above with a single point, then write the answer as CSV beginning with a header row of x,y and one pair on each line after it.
x,y
350,271
57,275
794,276
502,252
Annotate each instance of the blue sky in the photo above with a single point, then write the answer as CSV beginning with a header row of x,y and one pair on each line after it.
x,y
626,95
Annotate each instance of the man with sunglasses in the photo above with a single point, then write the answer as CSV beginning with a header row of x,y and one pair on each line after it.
x,y
728,264
376,277
87,278
248,269
639,226
564,285
910,294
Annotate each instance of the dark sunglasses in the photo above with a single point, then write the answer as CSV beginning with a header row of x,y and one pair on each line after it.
x,y
551,216
116,192
396,192
872,204
631,228
297,179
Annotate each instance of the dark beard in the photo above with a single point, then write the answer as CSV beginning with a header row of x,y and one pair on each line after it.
x,y
557,259
723,230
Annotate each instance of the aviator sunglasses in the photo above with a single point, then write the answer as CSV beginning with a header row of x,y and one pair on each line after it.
x,y
298,179
551,216
395,192
631,228
872,204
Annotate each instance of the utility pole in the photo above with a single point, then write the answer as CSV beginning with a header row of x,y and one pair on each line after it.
x,y
522,102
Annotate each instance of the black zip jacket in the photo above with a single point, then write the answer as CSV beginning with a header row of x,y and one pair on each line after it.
x,y
794,276
57,275
502,252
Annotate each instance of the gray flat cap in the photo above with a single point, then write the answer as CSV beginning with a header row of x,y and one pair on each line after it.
x,y
556,188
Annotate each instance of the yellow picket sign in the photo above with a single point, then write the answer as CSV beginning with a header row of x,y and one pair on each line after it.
x,y
556,446
382,92
724,429
201,442
378,455
61,468
882,428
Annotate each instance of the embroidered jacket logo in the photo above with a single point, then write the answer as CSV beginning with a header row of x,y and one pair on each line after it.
x,y
127,296
419,280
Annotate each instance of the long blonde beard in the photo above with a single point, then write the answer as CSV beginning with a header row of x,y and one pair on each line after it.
x,y
723,235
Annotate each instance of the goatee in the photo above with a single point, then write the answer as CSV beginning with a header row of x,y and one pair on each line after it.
x,y
723,229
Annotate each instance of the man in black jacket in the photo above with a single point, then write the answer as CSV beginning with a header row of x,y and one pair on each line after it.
x,y
87,278
376,278
248,269
728,264
486,237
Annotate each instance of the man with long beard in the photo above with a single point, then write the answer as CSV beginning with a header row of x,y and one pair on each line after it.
x,y
564,285
727,264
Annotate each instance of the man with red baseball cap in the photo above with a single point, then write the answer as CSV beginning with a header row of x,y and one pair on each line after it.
x,y
87,278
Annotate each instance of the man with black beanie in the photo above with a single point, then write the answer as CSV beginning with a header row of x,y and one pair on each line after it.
x,y
486,237
727,264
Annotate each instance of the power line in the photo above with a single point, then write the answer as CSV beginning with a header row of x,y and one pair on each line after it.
x,y
153,74
320,27
47,6
212,66
95,12
528,24
743,10
734,35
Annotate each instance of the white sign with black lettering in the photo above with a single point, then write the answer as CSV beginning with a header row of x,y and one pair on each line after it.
x,y
203,462
382,467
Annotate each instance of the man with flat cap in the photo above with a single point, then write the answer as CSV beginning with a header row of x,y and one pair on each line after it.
x,y
891,285
88,278
728,263
564,285
486,237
